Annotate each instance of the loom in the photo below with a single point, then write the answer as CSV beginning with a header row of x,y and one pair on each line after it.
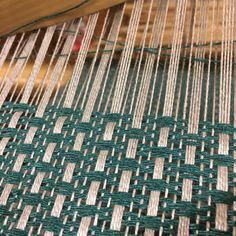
x,y
132,132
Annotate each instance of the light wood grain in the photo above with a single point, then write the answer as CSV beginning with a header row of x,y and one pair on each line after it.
x,y
18,16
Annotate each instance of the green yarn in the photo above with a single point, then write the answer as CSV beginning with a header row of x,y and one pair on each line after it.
x,y
84,173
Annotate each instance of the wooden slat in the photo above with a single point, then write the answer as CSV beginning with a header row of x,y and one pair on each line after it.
x,y
18,16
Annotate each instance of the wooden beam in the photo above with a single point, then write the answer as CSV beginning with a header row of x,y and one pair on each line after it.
x,y
17,16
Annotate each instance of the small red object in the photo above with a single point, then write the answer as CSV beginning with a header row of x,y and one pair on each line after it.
x,y
79,38
77,44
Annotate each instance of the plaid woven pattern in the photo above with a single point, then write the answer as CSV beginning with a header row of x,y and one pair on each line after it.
x,y
46,191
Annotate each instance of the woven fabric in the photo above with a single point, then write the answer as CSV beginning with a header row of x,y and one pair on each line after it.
x,y
122,122
40,193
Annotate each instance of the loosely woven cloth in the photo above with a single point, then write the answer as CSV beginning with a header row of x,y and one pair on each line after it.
x,y
130,135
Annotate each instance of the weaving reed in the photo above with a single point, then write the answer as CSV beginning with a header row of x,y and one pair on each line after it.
x,y
133,134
